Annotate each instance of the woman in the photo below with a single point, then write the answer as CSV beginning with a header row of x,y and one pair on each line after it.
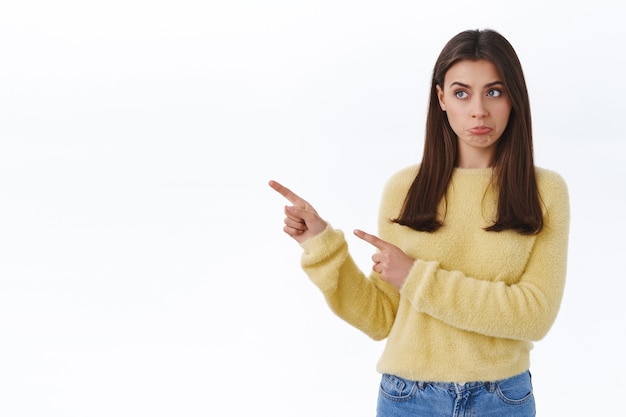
x,y
472,248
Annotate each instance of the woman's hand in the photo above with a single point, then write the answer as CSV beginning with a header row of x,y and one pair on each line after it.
x,y
302,221
390,261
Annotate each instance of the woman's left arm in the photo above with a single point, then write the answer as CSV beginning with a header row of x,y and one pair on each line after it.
x,y
525,310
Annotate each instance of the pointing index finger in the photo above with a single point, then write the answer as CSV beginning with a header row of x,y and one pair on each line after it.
x,y
371,239
288,194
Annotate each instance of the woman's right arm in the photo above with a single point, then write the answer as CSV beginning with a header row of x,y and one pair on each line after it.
x,y
369,304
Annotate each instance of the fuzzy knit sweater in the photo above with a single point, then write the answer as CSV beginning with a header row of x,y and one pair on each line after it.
x,y
473,302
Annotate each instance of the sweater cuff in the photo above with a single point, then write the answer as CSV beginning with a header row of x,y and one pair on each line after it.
x,y
321,246
323,256
418,283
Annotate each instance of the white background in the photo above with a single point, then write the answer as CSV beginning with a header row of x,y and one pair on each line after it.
x,y
143,270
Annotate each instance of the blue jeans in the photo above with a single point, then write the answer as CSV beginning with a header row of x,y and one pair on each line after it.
x,y
511,397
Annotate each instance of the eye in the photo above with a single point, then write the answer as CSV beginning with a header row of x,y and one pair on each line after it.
x,y
461,94
494,93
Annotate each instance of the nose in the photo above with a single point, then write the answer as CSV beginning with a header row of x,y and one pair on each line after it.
x,y
478,108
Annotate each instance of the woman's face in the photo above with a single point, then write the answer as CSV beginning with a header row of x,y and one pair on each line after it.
x,y
478,108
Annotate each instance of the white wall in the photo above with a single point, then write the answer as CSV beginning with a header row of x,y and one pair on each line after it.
x,y
143,270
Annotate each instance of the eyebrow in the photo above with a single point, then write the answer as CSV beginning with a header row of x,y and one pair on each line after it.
x,y
491,84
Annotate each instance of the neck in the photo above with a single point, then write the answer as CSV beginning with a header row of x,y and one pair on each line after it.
x,y
475,158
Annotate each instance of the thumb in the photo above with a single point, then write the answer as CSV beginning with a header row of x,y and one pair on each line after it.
x,y
300,213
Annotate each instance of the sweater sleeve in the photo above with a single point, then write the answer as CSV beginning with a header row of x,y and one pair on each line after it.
x,y
524,310
367,303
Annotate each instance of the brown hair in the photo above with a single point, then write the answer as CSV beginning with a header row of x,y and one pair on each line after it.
x,y
514,170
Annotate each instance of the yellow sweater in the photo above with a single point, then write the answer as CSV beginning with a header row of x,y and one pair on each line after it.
x,y
474,300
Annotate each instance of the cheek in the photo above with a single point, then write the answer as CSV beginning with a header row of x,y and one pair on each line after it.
x,y
504,111
454,118
504,118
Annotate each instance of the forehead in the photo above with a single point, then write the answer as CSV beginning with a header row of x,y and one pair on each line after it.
x,y
472,73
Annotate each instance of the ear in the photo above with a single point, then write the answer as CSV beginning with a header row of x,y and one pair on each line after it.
x,y
442,103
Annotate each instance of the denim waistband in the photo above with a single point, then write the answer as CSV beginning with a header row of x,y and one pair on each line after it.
x,y
459,387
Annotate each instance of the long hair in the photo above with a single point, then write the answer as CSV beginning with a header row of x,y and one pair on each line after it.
x,y
519,205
